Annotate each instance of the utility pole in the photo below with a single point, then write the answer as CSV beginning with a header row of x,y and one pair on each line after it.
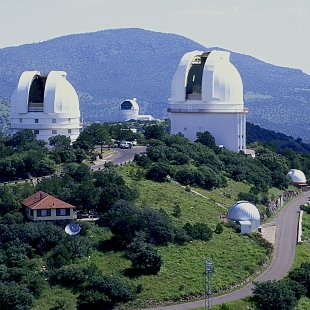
x,y
208,283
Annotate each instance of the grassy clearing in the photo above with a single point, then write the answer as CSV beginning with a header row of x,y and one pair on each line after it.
x,y
235,257
55,296
244,304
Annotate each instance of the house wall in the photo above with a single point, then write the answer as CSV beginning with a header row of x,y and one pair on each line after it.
x,y
53,216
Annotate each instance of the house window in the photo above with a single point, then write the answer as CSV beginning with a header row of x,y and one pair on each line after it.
x,y
20,120
69,130
36,131
36,120
69,120
31,212
43,212
54,132
54,120
62,212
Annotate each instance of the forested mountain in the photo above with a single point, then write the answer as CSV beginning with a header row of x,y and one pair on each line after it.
x,y
107,66
278,140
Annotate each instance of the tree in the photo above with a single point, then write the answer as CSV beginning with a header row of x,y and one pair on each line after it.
x,y
154,132
104,292
144,257
274,295
60,141
206,139
302,276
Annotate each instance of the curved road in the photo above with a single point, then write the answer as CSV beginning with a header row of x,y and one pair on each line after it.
x,y
286,222
120,156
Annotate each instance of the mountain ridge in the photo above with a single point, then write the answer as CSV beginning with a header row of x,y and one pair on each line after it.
x,y
108,66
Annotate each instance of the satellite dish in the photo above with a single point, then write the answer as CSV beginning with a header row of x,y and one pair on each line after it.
x,y
72,229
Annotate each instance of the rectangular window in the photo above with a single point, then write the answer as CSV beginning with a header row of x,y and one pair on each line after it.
x,y
43,212
54,132
20,120
69,130
54,120
36,131
69,120
31,212
62,212
36,120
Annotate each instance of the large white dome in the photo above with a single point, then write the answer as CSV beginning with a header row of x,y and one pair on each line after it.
x,y
297,176
46,103
208,77
243,211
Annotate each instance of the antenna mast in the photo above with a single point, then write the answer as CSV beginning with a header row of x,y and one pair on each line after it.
x,y
208,283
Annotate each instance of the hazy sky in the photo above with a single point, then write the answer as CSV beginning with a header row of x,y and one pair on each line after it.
x,y
276,31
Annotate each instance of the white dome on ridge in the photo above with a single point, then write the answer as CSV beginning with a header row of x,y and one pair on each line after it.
x,y
297,176
210,76
243,211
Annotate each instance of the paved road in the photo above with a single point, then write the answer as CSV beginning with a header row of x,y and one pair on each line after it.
x,y
120,156
282,261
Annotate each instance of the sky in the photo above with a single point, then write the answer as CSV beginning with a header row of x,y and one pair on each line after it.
x,y
275,31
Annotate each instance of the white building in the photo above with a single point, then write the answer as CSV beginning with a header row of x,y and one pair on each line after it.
x,y
47,104
129,110
246,214
207,95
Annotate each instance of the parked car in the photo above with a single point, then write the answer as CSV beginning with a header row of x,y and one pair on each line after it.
x,y
125,145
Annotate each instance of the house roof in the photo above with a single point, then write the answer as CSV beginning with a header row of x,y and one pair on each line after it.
x,y
42,200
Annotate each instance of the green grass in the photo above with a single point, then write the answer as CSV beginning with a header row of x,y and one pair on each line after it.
x,y
303,250
54,296
236,258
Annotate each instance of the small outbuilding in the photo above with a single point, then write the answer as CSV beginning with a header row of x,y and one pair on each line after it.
x,y
246,215
44,207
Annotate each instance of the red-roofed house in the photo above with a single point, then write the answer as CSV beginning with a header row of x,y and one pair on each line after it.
x,y
44,207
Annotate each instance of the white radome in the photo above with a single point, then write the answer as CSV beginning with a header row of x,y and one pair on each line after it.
x,y
243,211
47,104
297,176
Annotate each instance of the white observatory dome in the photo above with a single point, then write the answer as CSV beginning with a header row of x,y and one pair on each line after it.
x,y
243,211
208,77
297,176
46,103
128,109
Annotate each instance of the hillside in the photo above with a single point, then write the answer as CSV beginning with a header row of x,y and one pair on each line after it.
x,y
108,66
280,141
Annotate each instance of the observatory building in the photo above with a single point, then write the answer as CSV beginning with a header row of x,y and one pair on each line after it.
x,y
246,214
46,103
207,95
297,178
129,110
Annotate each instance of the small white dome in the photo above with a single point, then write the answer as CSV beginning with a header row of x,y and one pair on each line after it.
x,y
297,176
243,211
129,104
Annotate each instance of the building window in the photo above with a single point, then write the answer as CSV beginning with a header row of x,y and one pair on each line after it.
x,y
20,120
31,212
54,120
69,120
54,132
36,120
62,212
43,212
36,131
